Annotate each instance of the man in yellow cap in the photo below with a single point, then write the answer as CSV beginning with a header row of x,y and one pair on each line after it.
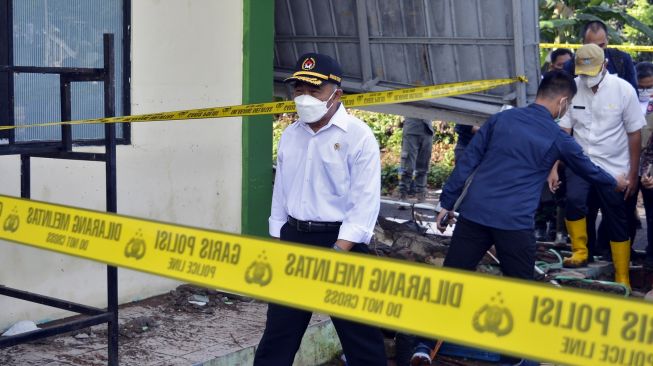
x,y
606,121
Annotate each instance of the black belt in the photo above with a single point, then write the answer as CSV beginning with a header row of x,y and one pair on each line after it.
x,y
314,226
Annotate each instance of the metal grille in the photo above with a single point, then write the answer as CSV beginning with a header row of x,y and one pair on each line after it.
x,y
395,43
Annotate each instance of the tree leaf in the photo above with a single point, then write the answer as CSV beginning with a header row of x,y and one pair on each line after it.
x,y
633,22
557,23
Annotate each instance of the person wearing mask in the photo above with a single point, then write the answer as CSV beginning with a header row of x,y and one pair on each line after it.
x,y
621,64
502,171
645,89
327,193
618,62
606,120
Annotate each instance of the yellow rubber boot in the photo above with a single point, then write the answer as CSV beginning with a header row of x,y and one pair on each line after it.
x,y
577,230
621,261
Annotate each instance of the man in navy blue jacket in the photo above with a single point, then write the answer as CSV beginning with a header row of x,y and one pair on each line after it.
x,y
508,160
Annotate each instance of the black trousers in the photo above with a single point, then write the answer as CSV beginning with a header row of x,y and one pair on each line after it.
x,y
612,204
285,327
647,195
470,241
598,241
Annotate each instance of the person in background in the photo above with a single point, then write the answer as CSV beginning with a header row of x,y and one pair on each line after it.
x,y
559,57
619,62
645,89
465,134
416,147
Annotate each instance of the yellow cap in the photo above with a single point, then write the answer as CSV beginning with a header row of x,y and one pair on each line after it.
x,y
589,59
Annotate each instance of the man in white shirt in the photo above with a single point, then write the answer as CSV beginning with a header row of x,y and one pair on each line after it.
x,y
327,194
606,121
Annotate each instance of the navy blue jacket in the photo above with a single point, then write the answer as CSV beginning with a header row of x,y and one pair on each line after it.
x,y
465,134
513,153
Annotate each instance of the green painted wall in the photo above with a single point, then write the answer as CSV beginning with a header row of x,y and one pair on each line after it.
x,y
258,54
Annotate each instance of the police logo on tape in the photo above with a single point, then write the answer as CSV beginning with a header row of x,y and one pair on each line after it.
x,y
136,246
493,318
12,222
259,272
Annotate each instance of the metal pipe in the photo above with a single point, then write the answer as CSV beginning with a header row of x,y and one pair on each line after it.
x,y
518,41
49,301
55,330
111,191
364,41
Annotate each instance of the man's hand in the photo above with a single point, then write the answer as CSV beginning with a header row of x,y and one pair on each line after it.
x,y
441,215
553,180
345,245
647,181
632,185
622,183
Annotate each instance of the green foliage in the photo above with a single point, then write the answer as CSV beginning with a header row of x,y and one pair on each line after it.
x,y
641,10
438,174
388,132
386,127
389,178
278,126
628,21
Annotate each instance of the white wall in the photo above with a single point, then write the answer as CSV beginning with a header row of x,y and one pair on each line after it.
x,y
185,54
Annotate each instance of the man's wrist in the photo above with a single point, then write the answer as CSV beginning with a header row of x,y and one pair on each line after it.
x,y
337,248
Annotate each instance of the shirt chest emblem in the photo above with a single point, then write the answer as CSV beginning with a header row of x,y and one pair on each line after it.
x,y
336,146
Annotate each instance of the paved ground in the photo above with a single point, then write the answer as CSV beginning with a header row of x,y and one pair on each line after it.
x,y
164,330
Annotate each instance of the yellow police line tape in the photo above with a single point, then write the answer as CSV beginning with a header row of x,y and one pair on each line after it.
x,y
515,317
350,101
623,47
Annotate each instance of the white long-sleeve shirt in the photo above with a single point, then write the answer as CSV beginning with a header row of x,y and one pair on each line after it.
x,y
332,175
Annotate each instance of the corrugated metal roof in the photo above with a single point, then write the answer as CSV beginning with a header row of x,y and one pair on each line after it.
x,y
385,44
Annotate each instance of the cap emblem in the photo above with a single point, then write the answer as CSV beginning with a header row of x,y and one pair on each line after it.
x,y
586,61
308,64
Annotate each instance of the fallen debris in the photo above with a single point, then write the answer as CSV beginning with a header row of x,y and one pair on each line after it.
x,y
21,327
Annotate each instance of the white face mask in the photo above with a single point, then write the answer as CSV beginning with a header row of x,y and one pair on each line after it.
x,y
562,110
644,95
592,81
311,109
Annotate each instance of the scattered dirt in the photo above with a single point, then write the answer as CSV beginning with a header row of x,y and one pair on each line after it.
x,y
162,330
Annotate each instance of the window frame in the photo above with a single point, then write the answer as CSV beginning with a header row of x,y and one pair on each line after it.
x,y
7,79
